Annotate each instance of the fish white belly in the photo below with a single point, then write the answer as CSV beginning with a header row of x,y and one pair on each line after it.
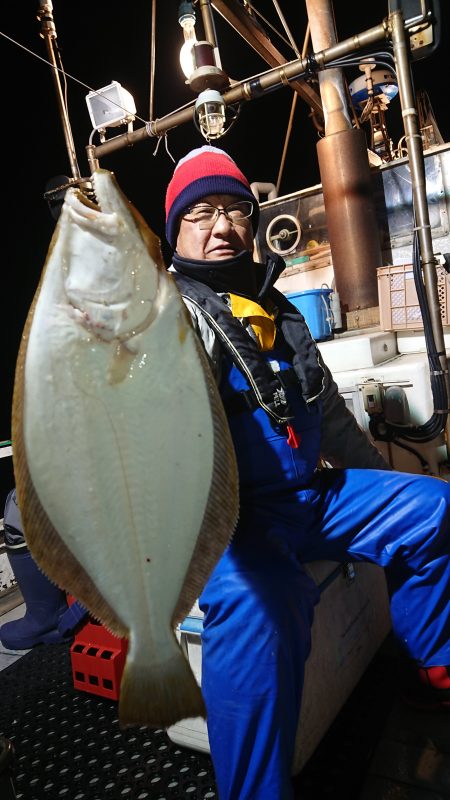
x,y
108,459
125,470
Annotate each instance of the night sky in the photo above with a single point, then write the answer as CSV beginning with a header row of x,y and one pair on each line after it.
x,y
104,41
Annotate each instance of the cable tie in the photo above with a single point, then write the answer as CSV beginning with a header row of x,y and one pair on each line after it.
x,y
409,112
442,411
439,372
312,67
420,227
283,77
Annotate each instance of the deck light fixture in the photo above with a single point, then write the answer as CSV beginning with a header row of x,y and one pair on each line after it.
x,y
110,106
210,113
198,60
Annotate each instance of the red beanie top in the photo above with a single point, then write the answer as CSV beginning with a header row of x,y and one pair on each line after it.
x,y
204,171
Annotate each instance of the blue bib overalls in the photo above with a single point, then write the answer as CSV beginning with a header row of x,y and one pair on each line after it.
x,y
259,602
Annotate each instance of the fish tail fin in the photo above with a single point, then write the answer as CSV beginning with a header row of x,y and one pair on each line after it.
x,y
161,695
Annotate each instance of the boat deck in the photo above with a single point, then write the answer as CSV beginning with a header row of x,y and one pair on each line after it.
x,y
68,744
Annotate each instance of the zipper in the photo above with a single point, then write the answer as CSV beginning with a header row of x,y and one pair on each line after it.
x,y
279,420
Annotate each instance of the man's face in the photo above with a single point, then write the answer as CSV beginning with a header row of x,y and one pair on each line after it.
x,y
224,240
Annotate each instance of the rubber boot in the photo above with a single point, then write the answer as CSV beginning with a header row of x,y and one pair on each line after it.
x,y
45,604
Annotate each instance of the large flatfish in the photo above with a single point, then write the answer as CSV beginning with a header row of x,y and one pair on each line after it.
x,y
124,466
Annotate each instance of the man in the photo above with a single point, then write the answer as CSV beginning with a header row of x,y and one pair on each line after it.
x,y
285,412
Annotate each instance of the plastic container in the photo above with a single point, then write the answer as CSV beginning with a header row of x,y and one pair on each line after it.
x,y
98,660
315,306
399,304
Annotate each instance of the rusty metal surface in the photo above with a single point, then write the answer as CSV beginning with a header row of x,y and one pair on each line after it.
x,y
351,219
246,26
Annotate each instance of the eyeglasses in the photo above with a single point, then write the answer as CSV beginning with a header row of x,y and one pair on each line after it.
x,y
206,216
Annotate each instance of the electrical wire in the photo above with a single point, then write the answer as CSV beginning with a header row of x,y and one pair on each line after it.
x,y
385,431
423,462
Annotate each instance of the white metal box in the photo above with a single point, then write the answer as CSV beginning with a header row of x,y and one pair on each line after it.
x,y
350,622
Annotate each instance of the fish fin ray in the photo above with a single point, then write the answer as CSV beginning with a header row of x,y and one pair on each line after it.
x,y
222,508
52,556
161,695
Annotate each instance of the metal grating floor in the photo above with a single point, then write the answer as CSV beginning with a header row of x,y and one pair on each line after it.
x,y
68,744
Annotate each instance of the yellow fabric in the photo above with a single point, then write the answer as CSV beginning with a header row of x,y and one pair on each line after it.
x,y
261,320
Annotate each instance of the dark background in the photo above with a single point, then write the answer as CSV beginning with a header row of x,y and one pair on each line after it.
x,y
104,41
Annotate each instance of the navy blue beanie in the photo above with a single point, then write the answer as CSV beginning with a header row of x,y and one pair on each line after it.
x,y
204,171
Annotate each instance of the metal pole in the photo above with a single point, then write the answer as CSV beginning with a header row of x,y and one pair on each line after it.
x,y
208,22
331,82
417,169
247,90
48,33
151,105
291,116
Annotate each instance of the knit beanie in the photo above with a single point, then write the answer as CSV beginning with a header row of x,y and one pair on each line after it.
x,y
204,171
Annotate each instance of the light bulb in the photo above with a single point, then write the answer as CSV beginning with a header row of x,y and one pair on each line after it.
x,y
187,22
210,110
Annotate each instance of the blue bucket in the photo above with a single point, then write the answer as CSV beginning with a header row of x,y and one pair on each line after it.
x,y
315,306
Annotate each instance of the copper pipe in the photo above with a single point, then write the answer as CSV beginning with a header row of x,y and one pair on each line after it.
x,y
208,22
351,219
247,90
151,105
331,81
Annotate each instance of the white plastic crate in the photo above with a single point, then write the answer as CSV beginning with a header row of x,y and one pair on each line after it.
x,y
397,296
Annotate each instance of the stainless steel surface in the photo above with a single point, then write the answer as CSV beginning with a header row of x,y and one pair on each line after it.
x,y
392,189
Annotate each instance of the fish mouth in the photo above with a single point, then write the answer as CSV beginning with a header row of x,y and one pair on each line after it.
x,y
91,215
109,279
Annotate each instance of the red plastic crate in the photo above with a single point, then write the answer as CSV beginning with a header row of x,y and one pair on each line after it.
x,y
98,660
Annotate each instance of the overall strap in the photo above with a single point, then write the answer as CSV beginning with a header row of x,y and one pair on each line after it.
x,y
266,387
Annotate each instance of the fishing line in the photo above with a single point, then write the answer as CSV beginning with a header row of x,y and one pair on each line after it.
x,y
64,73
147,123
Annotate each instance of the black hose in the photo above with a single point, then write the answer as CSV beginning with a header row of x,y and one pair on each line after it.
x,y
385,431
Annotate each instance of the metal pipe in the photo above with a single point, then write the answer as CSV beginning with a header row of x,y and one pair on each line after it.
x,y
208,22
291,116
151,105
248,89
417,169
331,82
48,33
351,218
346,180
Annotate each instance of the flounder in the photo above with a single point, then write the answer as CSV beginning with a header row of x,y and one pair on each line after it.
x,y
125,470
